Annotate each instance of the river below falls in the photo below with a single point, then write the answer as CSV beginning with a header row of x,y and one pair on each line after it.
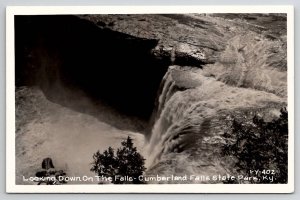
x,y
68,137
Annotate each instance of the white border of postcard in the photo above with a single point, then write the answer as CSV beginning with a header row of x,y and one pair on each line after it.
x,y
11,187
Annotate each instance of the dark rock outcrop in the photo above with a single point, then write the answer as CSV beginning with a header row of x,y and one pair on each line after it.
x,y
183,75
66,53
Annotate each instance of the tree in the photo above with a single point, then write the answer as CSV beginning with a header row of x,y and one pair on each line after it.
x,y
126,162
260,145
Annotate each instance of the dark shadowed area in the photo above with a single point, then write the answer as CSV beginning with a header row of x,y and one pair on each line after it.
x,y
68,53
172,82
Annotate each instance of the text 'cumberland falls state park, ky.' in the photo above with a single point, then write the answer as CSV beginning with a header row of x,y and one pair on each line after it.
x,y
194,98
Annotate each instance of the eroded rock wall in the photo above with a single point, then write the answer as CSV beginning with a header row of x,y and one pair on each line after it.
x,y
184,76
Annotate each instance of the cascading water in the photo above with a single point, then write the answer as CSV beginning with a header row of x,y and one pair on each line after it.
x,y
173,123
168,90
109,102
190,107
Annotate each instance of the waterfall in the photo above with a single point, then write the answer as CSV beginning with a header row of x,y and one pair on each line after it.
x,y
174,119
168,89
190,108
160,125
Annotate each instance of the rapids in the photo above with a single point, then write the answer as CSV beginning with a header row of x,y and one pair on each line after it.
x,y
70,103
191,115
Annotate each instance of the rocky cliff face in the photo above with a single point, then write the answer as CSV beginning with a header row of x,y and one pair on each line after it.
x,y
182,77
224,68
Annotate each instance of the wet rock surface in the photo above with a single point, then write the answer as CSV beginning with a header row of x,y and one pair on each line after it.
x,y
193,39
178,79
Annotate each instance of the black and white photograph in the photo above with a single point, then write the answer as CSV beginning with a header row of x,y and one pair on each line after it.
x,y
155,100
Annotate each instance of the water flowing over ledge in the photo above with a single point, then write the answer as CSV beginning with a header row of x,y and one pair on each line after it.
x,y
172,82
192,113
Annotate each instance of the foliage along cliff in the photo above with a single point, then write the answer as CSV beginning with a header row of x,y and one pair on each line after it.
x,y
182,76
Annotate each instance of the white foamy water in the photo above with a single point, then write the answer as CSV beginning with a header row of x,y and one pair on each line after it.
x,y
248,75
187,117
68,137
